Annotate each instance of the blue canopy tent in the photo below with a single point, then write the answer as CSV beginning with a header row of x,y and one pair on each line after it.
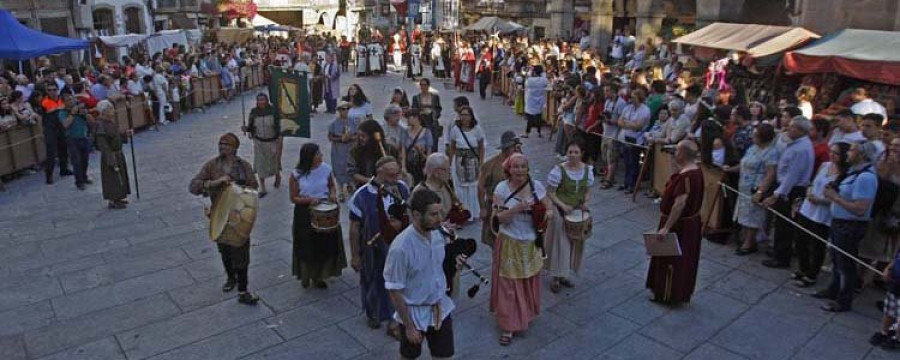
x,y
19,42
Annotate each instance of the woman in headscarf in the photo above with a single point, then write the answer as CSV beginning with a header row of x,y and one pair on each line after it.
x,y
517,263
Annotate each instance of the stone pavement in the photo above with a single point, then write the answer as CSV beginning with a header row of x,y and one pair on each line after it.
x,y
83,282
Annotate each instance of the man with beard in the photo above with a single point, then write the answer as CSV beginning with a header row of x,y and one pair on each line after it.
x,y
370,147
490,175
377,214
414,278
215,176
265,130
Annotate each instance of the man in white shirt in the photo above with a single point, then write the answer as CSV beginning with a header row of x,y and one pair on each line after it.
x,y
632,122
414,278
612,109
863,104
535,100
846,129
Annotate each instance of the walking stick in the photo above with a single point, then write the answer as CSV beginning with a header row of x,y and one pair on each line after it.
x,y
137,188
637,184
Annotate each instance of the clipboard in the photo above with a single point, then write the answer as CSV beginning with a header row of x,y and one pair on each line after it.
x,y
668,246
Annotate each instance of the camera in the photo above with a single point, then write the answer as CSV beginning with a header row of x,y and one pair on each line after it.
x,y
397,210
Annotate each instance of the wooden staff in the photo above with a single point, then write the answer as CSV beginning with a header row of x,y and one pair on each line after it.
x,y
637,184
137,188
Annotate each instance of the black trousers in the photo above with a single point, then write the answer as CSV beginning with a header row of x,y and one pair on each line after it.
x,y
846,235
810,251
57,148
533,121
785,233
236,260
482,86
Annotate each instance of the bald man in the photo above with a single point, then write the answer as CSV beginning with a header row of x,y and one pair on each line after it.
x,y
672,278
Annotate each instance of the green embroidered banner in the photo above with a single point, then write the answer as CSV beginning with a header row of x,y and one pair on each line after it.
x,y
290,95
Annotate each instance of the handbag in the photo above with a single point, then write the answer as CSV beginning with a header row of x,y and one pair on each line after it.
x,y
467,168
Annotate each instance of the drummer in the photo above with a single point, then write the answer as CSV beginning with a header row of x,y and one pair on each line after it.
x,y
215,176
568,187
317,254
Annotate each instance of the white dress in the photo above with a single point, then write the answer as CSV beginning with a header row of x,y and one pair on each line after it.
x,y
398,56
467,189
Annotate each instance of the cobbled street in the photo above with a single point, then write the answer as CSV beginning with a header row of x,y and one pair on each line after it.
x,y
80,281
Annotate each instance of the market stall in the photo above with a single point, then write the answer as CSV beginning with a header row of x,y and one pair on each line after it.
x,y
848,59
745,57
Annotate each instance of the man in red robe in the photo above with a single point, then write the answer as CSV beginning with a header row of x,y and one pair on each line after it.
x,y
672,278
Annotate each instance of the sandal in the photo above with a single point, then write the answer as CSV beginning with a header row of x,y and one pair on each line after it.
x,y
505,339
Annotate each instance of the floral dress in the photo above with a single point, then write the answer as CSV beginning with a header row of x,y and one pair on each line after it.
x,y
753,170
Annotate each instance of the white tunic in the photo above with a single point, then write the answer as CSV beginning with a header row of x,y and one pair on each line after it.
x,y
414,265
375,54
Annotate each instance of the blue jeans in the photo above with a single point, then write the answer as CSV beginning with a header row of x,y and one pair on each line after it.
x,y
79,155
632,156
846,235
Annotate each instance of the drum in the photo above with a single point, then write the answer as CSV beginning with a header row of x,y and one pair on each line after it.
x,y
578,225
232,220
325,217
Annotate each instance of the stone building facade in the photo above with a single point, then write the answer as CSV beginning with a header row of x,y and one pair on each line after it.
x,y
565,19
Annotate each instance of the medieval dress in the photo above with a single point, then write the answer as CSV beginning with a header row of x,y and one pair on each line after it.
x,y
672,278
375,57
266,131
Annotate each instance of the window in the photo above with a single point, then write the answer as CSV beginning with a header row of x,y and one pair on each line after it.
x,y
103,22
134,24
167,4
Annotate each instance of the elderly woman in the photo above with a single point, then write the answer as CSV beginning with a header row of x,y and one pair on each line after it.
x,y
113,169
393,130
517,263
757,171
851,195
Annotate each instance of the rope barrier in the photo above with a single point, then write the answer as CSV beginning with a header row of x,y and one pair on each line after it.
x,y
10,146
624,142
807,231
